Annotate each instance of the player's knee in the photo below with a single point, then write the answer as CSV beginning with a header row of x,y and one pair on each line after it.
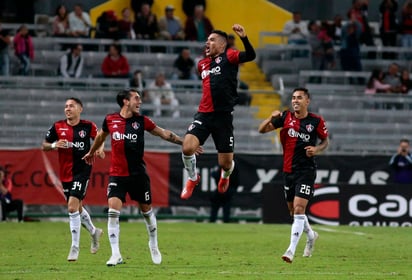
x,y
188,149
299,210
72,209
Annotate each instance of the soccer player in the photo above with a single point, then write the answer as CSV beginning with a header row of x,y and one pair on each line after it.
x,y
299,137
218,71
71,138
128,170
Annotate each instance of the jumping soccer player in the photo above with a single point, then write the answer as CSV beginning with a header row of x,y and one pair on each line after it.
x,y
215,113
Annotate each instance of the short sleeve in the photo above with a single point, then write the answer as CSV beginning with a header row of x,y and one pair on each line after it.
x,y
51,135
322,130
93,131
105,128
149,124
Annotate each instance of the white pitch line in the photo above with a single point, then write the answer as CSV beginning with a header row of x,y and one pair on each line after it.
x,y
341,231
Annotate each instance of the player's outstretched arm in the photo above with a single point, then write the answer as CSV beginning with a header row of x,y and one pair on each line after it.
x,y
62,144
171,137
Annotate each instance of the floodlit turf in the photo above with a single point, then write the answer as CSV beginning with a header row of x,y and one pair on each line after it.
x,y
39,250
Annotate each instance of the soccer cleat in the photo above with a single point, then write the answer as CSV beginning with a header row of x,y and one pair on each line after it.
x,y
155,253
73,254
114,260
95,240
188,189
310,245
223,185
288,256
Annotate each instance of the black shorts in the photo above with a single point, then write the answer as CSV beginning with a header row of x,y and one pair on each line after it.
x,y
137,186
299,183
76,188
220,125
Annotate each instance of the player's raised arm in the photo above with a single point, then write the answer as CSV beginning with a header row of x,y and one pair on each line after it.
x,y
266,125
249,54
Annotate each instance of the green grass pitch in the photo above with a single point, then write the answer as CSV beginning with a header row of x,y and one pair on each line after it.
x,y
38,250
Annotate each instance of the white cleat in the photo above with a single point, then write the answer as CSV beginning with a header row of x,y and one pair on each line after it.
x,y
288,256
114,260
156,255
73,254
310,245
95,241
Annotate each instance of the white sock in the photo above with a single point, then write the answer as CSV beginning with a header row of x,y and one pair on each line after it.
x,y
74,220
227,173
151,226
113,230
87,221
308,229
190,165
296,232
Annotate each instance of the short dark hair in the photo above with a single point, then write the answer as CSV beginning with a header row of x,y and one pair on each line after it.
x,y
404,140
117,47
77,100
305,91
221,33
124,94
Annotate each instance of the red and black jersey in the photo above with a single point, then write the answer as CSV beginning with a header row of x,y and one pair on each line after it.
x,y
78,138
127,140
295,135
219,78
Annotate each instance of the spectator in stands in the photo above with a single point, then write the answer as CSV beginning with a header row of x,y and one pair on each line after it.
x,y
115,64
137,5
406,81
71,63
359,10
170,26
8,203
327,45
198,27
375,83
188,6
335,29
392,77
5,43
145,25
24,49
388,25
107,26
184,66
406,26
126,25
79,22
138,82
160,93
61,22
317,50
223,200
401,164
350,58
296,30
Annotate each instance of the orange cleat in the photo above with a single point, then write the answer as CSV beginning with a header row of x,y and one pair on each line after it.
x,y
223,185
188,189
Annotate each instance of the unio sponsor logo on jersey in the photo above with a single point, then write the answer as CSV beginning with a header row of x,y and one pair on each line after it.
x,y
216,71
77,145
295,134
121,136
